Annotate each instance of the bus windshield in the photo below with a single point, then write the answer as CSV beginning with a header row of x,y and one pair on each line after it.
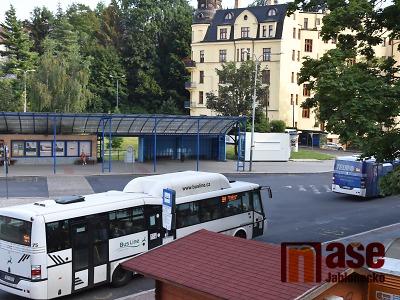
x,y
15,230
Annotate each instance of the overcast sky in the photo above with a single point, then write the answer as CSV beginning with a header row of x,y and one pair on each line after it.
x,y
23,8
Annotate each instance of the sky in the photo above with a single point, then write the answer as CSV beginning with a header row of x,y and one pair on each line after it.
x,y
23,8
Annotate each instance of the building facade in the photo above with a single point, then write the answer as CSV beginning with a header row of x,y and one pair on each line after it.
x,y
265,34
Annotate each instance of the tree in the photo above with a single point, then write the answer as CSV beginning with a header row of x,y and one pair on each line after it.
x,y
17,44
157,39
235,91
62,78
356,94
40,26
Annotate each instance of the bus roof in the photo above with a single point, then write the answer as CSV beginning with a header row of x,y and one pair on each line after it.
x,y
189,186
184,183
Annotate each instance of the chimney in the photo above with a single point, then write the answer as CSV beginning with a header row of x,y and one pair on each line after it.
x,y
237,3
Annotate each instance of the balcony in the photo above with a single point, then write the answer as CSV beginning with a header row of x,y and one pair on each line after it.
x,y
189,85
190,64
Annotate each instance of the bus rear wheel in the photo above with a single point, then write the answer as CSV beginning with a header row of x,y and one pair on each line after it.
x,y
240,234
120,277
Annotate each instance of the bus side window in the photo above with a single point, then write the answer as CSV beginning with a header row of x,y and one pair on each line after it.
x,y
57,234
257,202
246,202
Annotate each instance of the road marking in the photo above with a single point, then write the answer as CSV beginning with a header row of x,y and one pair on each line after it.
x,y
301,188
315,190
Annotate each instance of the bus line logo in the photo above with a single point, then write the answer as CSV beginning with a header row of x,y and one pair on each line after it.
x,y
307,257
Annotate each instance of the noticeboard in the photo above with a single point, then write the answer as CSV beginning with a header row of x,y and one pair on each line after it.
x,y
168,209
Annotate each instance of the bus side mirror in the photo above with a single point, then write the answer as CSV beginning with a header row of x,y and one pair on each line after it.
x,y
269,191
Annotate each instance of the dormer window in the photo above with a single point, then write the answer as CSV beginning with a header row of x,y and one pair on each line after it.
x,y
229,16
272,12
200,16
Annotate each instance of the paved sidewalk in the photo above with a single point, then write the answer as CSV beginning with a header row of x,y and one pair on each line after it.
x,y
167,166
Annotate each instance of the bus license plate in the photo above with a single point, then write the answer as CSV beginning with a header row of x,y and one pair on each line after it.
x,y
9,278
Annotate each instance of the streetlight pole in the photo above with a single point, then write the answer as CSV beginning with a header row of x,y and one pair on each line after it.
x,y
117,78
254,111
25,71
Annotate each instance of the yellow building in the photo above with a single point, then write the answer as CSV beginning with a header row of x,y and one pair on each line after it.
x,y
266,34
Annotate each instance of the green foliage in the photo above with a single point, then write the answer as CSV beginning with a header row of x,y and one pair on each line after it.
x,y
307,154
116,143
40,25
78,51
390,183
359,101
235,92
277,126
8,102
17,44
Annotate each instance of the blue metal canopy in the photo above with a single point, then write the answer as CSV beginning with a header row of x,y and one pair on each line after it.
x,y
114,124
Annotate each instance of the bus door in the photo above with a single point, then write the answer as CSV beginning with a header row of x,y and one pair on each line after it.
x,y
259,217
154,226
89,252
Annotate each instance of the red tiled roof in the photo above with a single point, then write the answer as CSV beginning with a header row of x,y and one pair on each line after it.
x,y
221,265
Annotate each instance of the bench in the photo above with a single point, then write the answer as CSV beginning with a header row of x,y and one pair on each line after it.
x,y
79,161
12,161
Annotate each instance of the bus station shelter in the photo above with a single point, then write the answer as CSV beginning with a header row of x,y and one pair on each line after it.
x,y
160,136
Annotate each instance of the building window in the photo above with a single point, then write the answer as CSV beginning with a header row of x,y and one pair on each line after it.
x,y
223,34
244,54
264,31
222,55
272,12
266,76
291,99
201,97
245,32
245,18
306,91
298,34
271,30
298,55
297,99
201,80
308,45
229,16
390,42
292,77
384,42
294,32
201,56
334,40
305,25
297,77
266,54
318,21
293,55
305,113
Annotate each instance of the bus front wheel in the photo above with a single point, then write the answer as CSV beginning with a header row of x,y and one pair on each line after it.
x,y
120,277
241,234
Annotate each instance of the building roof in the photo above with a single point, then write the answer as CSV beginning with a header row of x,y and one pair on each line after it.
x,y
221,265
261,14
119,125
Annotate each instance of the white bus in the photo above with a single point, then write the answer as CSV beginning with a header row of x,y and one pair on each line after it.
x,y
53,248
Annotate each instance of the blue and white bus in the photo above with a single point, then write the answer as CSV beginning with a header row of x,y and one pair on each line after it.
x,y
58,247
357,177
